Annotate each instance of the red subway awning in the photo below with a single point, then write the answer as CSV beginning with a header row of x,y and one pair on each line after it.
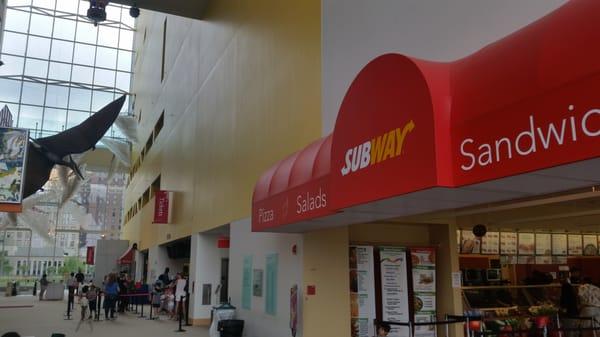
x,y
294,189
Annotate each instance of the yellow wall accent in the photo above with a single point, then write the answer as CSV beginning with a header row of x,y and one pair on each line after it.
x,y
242,90
326,266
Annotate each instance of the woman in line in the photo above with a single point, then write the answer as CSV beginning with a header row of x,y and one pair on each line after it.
x,y
111,294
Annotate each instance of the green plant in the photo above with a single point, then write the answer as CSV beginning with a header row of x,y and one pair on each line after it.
x,y
71,265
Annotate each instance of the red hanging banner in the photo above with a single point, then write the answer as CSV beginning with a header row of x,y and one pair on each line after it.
x,y
89,258
161,207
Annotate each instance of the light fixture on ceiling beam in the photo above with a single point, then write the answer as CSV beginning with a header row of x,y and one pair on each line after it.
x,y
97,11
134,11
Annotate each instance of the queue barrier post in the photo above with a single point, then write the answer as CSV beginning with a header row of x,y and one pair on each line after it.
x,y
151,307
138,298
187,309
98,306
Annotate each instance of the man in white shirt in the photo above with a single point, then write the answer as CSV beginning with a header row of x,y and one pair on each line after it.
x,y
180,293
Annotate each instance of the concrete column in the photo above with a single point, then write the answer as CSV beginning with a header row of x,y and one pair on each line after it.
x,y
448,299
139,266
205,269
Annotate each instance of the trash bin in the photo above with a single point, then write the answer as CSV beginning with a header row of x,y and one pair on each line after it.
x,y
225,311
231,327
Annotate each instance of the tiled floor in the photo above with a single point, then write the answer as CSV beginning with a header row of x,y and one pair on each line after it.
x,y
30,317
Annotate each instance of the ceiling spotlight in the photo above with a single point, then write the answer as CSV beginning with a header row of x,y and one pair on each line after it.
x,y
97,11
134,11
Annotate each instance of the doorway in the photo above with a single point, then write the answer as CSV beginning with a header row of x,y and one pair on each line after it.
x,y
224,294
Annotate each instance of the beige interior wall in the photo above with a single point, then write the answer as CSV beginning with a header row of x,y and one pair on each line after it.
x,y
327,313
241,91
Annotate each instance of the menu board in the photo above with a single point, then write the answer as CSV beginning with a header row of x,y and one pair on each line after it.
x,y
490,243
543,259
575,244
524,259
559,244
526,243
423,274
394,288
470,244
362,291
543,244
508,243
559,260
590,244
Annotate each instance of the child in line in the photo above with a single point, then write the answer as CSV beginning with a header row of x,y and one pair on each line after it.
x,y
156,298
92,295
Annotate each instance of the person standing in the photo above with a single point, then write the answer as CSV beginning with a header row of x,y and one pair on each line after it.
x,y
79,277
180,288
92,296
164,278
111,293
71,286
43,286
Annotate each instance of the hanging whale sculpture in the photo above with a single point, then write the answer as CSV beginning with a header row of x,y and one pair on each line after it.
x,y
44,153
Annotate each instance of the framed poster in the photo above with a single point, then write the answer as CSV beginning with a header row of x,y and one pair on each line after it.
x,y
559,244
13,155
543,244
526,243
394,288
362,291
590,244
490,243
575,244
508,243
458,231
257,283
247,282
469,243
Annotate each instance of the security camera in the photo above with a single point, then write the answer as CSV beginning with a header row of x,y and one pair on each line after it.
x,y
134,12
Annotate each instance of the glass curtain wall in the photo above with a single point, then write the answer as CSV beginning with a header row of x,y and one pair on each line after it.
x,y
58,69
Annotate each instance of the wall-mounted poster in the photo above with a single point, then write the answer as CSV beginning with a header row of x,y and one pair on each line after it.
x,y
526,243
13,153
362,291
490,243
575,244
423,273
508,243
257,283
590,244
559,244
543,244
469,243
247,282
458,240
394,289
272,265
